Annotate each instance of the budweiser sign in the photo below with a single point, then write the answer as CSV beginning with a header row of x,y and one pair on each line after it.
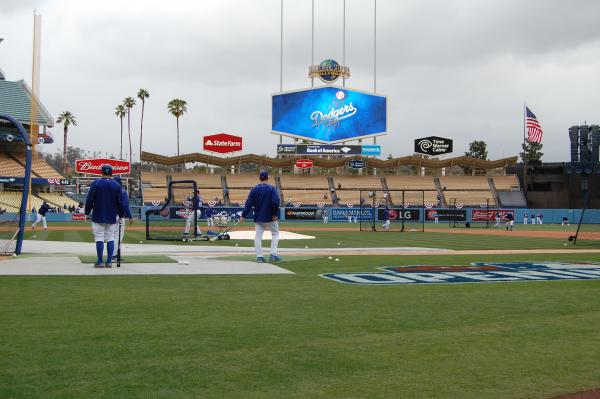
x,y
222,143
489,215
94,166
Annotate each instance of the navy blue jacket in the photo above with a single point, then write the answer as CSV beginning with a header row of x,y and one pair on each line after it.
x,y
265,201
104,201
44,209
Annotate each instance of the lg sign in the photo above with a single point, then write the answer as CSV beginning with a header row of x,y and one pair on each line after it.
x,y
222,143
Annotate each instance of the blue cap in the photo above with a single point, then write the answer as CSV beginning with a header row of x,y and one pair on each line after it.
x,y
107,169
264,175
117,178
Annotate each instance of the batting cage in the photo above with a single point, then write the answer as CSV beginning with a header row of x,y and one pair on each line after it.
x,y
392,210
15,158
176,219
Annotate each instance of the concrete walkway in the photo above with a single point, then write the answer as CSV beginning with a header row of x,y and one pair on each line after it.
x,y
72,266
83,248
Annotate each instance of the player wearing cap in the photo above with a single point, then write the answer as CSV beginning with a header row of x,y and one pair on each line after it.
x,y
510,221
196,206
126,210
105,204
387,218
265,201
41,216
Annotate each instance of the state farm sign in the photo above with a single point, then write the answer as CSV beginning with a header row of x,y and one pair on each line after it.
x,y
222,143
304,163
94,166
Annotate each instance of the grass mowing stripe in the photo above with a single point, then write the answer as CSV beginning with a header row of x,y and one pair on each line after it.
x,y
297,336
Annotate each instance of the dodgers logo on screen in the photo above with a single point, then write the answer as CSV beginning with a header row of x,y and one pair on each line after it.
x,y
329,114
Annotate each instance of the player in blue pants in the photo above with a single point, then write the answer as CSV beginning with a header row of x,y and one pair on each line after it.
x,y
104,204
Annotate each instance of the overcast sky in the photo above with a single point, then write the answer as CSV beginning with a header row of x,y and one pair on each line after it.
x,y
453,68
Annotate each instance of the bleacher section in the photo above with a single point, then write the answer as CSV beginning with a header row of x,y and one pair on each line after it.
x,y
56,199
412,186
209,185
13,199
10,167
311,189
455,186
510,182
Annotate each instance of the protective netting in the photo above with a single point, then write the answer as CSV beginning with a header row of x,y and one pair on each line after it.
x,y
176,218
9,229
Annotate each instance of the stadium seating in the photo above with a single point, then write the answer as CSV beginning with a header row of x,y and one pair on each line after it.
x,y
10,167
508,182
39,167
56,199
13,199
455,186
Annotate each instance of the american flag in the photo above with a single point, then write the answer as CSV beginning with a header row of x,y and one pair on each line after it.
x,y
534,130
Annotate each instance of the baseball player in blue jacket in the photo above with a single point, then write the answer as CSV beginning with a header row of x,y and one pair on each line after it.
x,y
41,216
105,204
196,206
265,201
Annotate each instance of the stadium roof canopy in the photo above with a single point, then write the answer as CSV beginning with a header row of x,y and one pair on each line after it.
x,y
15,100
322,162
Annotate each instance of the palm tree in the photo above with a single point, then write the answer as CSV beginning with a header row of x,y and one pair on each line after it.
x,y
177,107
67,119
129,102
121,111
142,94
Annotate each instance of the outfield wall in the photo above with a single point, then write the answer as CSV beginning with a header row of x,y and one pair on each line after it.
x,y
340,214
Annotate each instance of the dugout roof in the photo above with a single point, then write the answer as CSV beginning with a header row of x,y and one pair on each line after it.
x,y
15,100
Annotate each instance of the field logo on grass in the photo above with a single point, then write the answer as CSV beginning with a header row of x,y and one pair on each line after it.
x,y
478,272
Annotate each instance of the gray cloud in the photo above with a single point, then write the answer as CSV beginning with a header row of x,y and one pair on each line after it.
x,y
456,68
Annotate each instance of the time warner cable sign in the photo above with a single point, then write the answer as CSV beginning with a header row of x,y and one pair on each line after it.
x,y
328,114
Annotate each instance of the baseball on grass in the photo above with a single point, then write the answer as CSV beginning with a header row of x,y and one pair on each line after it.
x,y
306,246
337,259
331,257
141,242
14,254
236,245
339,243
565,244
34,236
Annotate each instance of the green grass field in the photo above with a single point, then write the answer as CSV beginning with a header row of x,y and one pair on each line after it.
x,y
356,239
302,336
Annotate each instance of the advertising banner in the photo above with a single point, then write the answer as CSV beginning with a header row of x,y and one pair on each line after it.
x,y
399,214
78,216
180,212
329,114
328,149
489,215
302,214
433,145
222,143
447,215
94,166
341,214
357,164
304,163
